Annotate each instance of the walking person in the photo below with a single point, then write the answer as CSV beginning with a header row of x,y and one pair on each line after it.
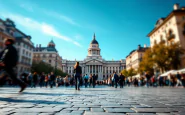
x,y
90,80
42,77
71,81
52,80
46,80
121,80
94,80
34,80
86,77
147,76
78,74
116,79
179,82
8,60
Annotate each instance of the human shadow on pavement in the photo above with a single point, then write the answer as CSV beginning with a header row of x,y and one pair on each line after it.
x,y
29,101
49,94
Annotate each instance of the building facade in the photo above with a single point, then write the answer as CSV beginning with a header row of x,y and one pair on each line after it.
x,y
170,29
135,57
48,55
94,63
23,45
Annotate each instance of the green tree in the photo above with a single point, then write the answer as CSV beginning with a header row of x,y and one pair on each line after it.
x,y
147,63
174,55
131,72
161,56
125,72
41,66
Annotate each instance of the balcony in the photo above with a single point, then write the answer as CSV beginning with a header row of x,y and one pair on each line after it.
x,y
162,42
183,32
170,37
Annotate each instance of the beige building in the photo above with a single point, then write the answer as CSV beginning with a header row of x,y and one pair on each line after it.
x,y
94,63
23,45
170,29
135,57
48,55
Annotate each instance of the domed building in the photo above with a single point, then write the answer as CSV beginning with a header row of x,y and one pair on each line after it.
x,y
48,55
94,63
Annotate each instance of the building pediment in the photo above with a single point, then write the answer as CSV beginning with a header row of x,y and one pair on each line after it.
x,y
94,62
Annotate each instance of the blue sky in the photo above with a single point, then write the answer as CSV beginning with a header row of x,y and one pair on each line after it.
x,y
120,25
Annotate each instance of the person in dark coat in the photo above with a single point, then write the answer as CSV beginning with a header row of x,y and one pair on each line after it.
x,y
116,79
34,80
121,80
42,78
94,80
78,75
8,60
90,80
52,80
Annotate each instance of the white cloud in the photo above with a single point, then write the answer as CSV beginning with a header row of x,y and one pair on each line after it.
x,y
62,17
78,37
45,28
27,7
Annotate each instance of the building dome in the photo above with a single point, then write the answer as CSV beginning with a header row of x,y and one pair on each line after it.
x,y
51,44
94,41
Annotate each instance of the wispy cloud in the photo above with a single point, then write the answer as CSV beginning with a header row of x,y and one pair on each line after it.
x,y
78,37
27,7
45,28
61,17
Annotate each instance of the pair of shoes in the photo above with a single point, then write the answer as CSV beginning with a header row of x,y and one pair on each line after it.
x,y
23,88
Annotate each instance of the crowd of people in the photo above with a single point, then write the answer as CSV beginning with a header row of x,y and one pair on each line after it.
x,y
147,80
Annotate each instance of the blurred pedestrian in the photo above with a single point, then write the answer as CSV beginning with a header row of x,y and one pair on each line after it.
x,y
8,60
52,80
42,78
86,77
34,80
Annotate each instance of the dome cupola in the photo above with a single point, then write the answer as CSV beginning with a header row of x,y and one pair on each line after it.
x,y
51,44
94,41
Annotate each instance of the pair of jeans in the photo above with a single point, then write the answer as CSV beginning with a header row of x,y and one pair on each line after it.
x,y
77,80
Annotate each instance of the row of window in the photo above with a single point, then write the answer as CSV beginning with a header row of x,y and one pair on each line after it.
x,y
44,55
162,28
26,53
24,45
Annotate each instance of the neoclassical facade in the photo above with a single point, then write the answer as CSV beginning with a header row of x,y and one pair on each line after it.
x,y
94,63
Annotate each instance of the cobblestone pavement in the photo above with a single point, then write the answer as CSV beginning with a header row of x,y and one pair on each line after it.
x,y
101,100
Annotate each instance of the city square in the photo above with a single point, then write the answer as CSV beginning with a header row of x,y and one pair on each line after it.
x,y
134,63
102,100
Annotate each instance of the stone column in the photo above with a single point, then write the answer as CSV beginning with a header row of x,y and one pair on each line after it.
x,y
102,69
95,69
92,69
89,68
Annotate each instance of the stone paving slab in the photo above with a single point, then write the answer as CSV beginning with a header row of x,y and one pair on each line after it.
x,y
152,110
101,100
102,113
